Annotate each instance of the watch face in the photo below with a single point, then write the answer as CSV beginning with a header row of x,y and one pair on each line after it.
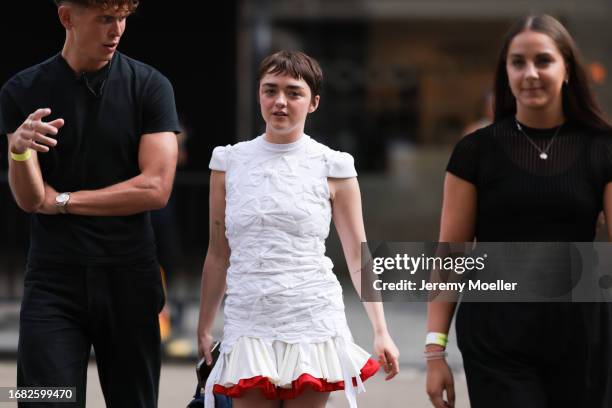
x,y
62,198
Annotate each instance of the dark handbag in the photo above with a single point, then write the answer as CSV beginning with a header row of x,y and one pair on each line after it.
x,y
221,401
203,371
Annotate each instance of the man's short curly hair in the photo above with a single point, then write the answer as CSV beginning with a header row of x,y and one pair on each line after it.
x,y
129,5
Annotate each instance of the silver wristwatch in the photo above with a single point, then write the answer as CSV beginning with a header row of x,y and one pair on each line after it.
x,y
61,201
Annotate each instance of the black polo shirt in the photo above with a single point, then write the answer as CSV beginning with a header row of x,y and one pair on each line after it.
x,y
105,115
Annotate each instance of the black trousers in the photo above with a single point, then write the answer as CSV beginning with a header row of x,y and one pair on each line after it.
x,y
532,355
67,309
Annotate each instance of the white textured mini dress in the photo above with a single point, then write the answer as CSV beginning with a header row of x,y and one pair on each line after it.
x,y
285,327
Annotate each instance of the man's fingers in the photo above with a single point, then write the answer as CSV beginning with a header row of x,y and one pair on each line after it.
x,y
38,147
38,114
57,123
35,124
43,127
42,139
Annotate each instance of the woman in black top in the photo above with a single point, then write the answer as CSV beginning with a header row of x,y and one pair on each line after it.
x,y
540,172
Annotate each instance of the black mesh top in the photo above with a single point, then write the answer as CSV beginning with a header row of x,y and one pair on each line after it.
x,y
522,197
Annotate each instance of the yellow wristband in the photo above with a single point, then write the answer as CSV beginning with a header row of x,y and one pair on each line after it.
x,y
441,339
22,156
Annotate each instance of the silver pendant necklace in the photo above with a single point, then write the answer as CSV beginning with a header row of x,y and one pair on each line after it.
x,y
543,153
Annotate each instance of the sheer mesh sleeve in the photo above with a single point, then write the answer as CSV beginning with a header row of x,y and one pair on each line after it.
x,y
463,162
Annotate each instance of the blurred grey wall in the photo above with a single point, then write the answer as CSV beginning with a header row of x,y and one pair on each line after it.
x,y
402,79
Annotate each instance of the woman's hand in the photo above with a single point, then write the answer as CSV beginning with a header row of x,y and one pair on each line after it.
x,y
387,353
205,342
440,379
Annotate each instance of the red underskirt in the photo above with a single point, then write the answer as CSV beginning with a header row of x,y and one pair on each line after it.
x,y
272,392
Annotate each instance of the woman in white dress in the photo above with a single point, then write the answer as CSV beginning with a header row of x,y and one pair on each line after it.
x,y
271,202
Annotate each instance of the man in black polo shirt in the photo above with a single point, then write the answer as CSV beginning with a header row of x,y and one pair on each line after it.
x,y
92,150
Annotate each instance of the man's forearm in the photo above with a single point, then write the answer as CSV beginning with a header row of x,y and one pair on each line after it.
x,y
138,194
25,177
150,190
26,183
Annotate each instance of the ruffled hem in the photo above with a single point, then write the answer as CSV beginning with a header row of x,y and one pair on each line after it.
x,y
304,381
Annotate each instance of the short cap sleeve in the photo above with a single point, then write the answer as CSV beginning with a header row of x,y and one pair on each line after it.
x,y
463,162
218,160
340,165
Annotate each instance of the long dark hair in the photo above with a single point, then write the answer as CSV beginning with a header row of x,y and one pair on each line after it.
x,y
579,103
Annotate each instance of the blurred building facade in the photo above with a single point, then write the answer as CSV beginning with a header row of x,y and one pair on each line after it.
x,y
401,72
